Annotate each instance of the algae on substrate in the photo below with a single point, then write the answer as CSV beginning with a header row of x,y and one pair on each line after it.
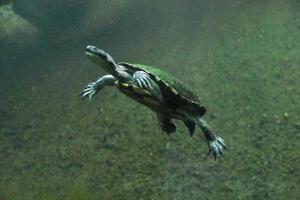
x,y
13,25
240,58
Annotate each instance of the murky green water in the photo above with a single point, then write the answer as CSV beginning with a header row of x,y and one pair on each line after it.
x,y
240,57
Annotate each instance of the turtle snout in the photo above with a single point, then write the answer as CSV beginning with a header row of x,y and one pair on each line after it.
x,y
96,51
91,48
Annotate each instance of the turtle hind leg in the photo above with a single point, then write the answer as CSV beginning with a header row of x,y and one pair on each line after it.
x,y
216,145
191,126
166,123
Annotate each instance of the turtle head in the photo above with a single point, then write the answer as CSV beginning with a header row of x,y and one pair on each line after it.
x,y
101,58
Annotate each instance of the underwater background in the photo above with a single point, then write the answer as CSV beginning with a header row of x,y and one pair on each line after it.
x,y
241,57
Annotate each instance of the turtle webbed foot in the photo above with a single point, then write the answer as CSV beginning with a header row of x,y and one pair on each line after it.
x,y
217,147
89,91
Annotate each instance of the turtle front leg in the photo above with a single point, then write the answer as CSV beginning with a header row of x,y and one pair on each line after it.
x,y
144,81
216,145
92,88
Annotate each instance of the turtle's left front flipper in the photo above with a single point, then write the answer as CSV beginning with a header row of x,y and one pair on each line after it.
x,y
92,88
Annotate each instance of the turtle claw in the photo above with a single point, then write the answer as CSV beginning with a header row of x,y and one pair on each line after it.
x,y
89,91
216,147
139,82
142,79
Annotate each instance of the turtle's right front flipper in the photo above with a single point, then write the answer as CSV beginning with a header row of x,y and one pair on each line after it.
x,y
143,80
92,88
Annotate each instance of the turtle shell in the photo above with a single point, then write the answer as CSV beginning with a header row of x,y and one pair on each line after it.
x,y
175,93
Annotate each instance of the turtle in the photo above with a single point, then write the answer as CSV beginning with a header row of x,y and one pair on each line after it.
x,y
156,89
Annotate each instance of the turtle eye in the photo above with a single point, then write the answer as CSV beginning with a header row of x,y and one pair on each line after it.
x,y
94,49
91,48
